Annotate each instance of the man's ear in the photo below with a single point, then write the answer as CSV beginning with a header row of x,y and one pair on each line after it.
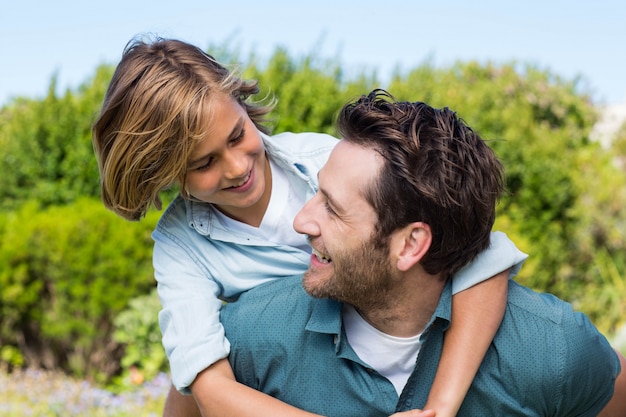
x,y
410,244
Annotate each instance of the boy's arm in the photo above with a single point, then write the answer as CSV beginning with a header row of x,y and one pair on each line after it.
x,y
476,316
216,393
179,405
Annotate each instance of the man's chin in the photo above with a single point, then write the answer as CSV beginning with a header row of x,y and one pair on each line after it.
x,y
316,283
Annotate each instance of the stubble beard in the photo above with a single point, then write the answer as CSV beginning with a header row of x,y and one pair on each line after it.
x,y
362,277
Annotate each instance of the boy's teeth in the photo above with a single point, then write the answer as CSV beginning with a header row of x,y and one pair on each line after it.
x,y
242,182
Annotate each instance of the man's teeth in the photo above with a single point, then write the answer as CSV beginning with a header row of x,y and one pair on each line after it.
x,y
322,258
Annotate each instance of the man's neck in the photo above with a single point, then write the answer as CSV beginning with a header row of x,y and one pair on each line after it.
x,y
407,310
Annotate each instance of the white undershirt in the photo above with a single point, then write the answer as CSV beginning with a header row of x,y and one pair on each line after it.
x,y
277,223
392,357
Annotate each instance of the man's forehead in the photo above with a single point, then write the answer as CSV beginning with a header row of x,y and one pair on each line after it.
x,y
350,167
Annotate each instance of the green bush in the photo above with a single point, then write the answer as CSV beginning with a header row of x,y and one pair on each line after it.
x,y
65,273
137,329
45,145
565,197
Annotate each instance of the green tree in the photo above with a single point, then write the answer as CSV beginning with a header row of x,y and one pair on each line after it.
x,y
68,267
45,145
555,209
619,145
309,90
137,329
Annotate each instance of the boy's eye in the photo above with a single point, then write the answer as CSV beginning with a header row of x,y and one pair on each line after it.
x,y
239,137
233,141
205,166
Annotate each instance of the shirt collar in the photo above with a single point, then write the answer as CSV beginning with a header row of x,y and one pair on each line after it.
x,y
443,312
200,215
326,316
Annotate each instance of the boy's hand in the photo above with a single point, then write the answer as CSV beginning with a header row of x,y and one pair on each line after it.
x,y
415,413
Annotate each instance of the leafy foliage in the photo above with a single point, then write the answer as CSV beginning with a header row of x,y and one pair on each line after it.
x,y
619,146
310,91
137,329
75,280
564,195
65,272
45,146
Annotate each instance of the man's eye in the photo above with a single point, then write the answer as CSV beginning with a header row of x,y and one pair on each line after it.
x,y
329,209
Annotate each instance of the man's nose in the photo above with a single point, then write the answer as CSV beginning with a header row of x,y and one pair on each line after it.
x,y
305,222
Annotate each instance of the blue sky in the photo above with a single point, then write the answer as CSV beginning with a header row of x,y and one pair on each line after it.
x,y
72,37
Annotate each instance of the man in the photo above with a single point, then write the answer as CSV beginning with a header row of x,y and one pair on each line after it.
x,y
405,200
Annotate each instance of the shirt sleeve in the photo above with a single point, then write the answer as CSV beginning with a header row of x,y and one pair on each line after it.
x,y
193,337
591,367
499,256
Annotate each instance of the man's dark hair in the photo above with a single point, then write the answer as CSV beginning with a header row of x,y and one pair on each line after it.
x,y
436,170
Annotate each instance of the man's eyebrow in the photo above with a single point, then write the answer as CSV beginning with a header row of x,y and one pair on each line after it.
x,y
336,206
233,134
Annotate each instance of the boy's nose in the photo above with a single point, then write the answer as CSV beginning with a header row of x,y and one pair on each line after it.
x,y
235,165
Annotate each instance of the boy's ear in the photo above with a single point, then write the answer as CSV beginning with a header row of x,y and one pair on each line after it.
x,y
410,244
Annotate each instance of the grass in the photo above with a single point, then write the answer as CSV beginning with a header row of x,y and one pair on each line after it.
x,y
48,394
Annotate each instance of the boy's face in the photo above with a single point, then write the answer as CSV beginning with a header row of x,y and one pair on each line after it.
x,y
229,168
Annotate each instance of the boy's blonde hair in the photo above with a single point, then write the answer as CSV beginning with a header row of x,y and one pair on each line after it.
x,y
156,108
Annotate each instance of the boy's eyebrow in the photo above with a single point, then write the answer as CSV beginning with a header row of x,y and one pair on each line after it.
x,y
233,133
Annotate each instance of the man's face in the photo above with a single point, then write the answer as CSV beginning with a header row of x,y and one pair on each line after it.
x,y
345,264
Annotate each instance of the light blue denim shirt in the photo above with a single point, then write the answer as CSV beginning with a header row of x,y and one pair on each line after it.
x,y
199,263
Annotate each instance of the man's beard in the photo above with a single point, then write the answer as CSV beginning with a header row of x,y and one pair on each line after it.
x,y
363,277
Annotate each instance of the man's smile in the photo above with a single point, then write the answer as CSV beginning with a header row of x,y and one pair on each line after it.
x,y
325,259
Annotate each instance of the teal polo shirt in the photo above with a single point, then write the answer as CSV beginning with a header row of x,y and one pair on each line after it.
x,y
545,359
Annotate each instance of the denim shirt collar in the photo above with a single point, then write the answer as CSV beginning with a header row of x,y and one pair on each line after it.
x,y
201,216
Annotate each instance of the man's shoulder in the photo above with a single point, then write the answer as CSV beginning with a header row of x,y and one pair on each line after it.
x,y
268,305
274,291
531,314
549,355
532,340
543,306
548,311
